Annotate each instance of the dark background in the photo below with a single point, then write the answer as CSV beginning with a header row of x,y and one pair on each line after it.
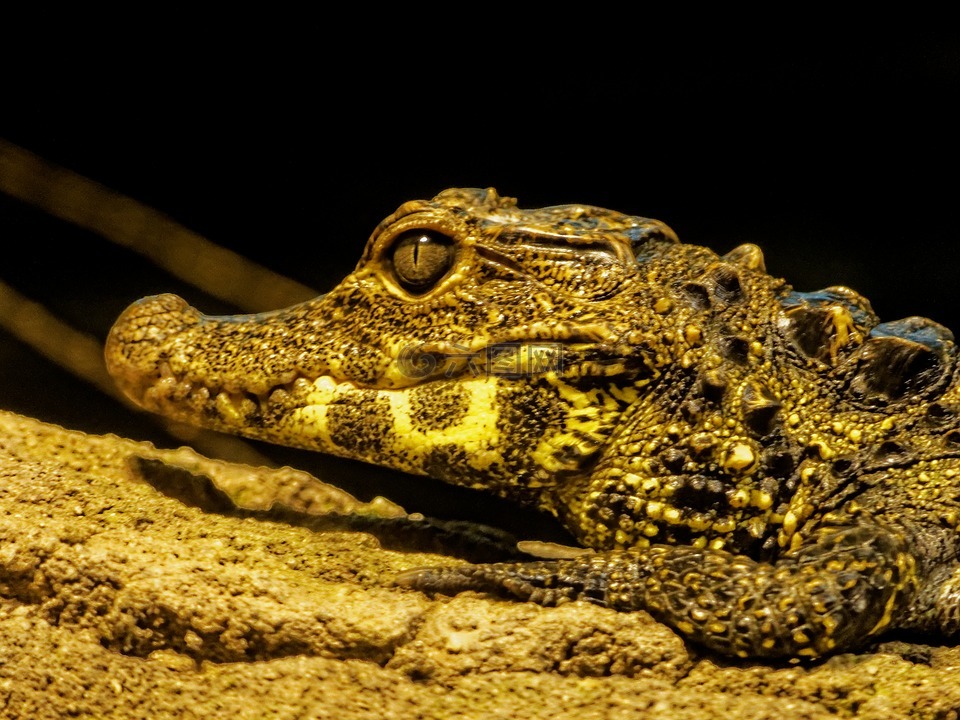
x,y
838,155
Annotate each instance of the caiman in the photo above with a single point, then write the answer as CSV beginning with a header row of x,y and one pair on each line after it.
x,y
772,473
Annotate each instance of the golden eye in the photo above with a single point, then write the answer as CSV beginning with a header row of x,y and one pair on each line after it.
x,y
421,258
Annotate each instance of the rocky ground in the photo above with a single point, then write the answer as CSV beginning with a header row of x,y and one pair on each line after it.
x,y
142,583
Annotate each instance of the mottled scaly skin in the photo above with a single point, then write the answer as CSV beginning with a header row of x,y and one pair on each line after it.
x,y
772,473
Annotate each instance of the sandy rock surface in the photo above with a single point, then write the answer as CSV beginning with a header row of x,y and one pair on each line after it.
x,y
122,600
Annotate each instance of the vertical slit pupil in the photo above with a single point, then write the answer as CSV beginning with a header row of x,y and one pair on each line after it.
x,y
421,258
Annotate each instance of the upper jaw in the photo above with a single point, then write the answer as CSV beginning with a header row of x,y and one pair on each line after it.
x,y
162,350
168,357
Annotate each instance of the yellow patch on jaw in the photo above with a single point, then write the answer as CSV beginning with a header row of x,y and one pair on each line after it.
x,y
476,434
311,420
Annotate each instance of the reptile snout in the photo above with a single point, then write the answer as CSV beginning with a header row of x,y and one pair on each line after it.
x,y
137,345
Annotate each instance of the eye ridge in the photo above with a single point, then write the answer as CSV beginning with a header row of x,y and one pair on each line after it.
x,y
421,258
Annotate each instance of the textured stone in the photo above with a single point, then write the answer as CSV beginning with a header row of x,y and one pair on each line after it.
x,y
117,600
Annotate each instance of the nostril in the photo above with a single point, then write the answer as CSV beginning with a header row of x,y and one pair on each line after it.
x,y
136,344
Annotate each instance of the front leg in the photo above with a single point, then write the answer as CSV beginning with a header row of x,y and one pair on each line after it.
x,y
843,585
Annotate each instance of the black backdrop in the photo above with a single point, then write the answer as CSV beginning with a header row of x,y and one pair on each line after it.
x,y
838,157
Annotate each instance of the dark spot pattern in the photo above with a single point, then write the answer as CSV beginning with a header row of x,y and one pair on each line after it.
x,y
438,405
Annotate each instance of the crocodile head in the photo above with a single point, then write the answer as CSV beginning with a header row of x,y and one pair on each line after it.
x,y
475,342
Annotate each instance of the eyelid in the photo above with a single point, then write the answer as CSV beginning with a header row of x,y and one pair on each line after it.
x,y
384,238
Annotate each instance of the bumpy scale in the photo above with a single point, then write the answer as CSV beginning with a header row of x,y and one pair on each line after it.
x,y
772,473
